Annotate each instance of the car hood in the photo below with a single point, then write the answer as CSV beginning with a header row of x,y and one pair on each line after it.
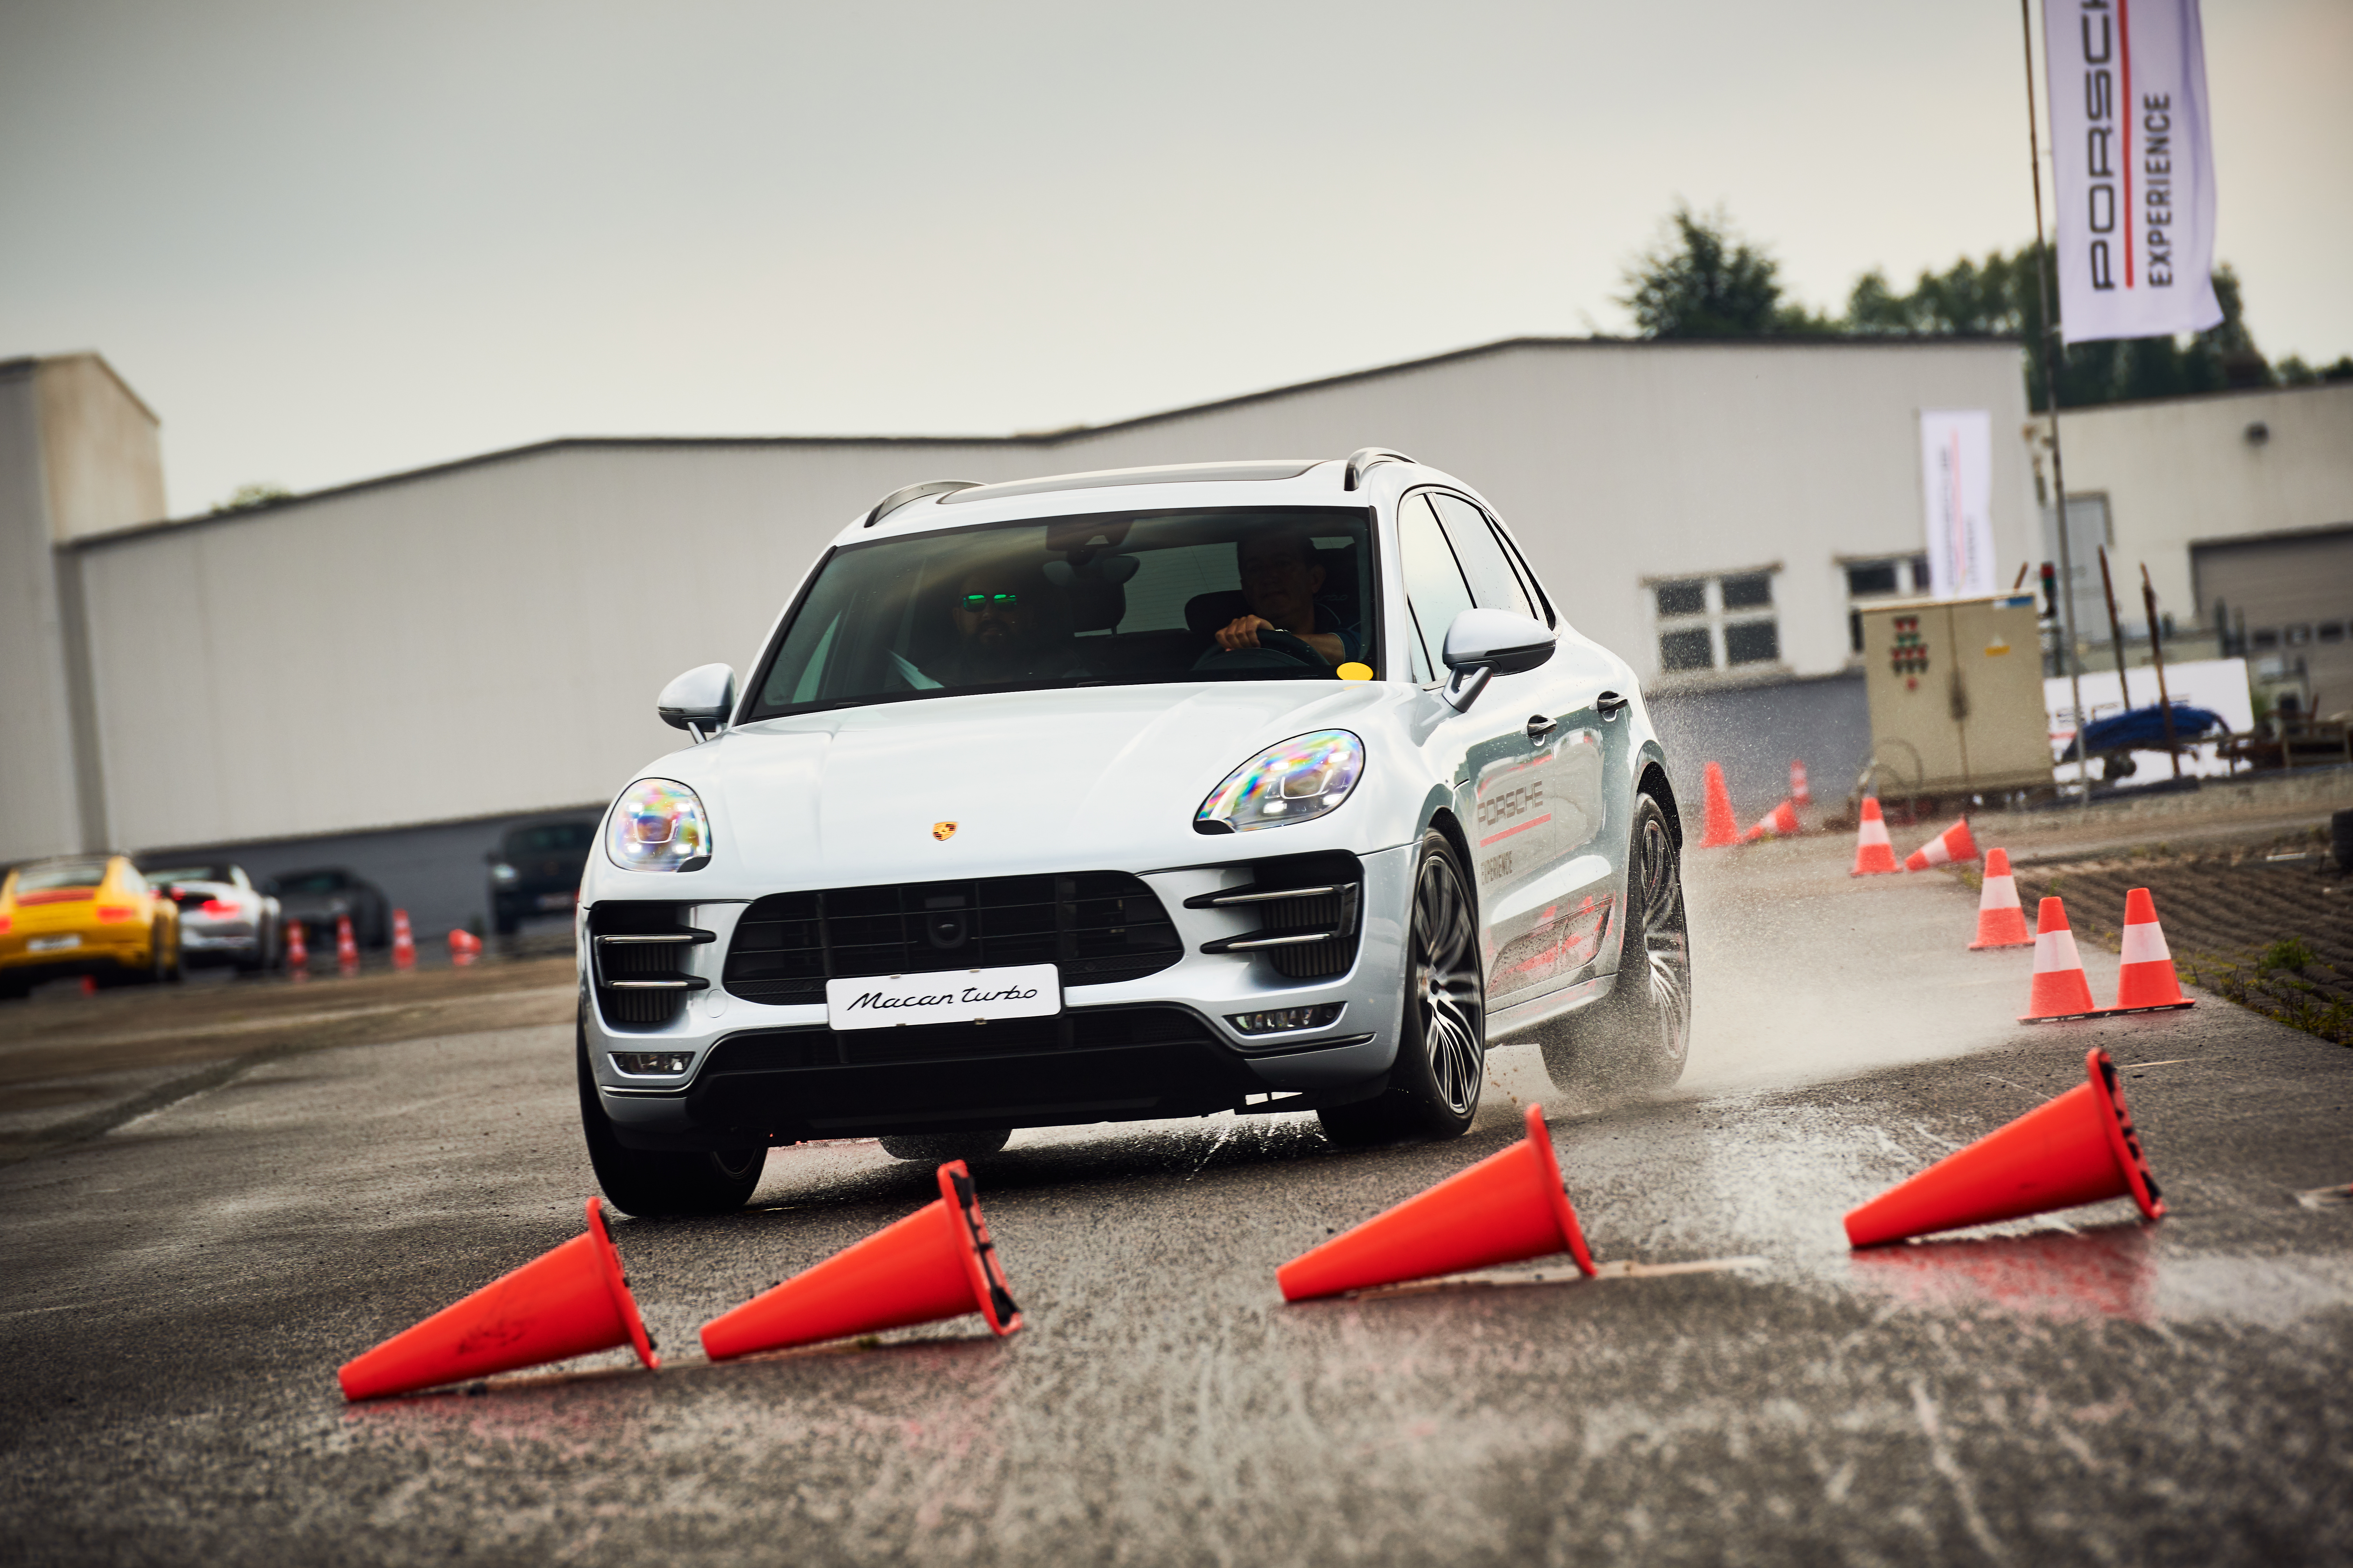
x,y
1035,780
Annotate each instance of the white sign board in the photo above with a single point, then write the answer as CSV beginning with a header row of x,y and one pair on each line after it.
x,y
2135,172
949,996
1956,483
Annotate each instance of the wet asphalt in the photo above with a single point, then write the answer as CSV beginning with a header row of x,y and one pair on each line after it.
x,y
2087,1387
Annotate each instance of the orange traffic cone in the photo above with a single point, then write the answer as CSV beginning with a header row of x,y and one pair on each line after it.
x,y
1722,827
348,947
571,1302
1508,1206
297,952
1873,854
2060,989
404,942
1798,790
1953,844
2000,921
2146,983
1782,821
2077,1149
464,947
938,1262
90,985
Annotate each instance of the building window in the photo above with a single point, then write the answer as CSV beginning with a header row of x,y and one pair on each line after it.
x,y
2267,639
1716,623
2332,631
1900,577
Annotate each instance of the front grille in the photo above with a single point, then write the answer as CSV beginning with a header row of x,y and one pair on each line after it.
x,y
1335,911
639,954
1097,926
1083,1029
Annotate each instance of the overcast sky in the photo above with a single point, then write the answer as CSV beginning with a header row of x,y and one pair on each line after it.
x,y
326,241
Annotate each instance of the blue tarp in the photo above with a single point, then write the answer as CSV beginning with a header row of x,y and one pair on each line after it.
x,y
2142,728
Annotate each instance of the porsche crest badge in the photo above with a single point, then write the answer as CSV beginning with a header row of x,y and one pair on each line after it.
x,y
944,831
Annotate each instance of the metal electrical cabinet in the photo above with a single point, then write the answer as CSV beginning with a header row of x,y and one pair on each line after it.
x,y
1956,688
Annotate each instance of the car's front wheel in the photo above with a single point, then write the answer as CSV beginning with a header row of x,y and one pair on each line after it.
x,y
1441,1061
651,1183
1638,1036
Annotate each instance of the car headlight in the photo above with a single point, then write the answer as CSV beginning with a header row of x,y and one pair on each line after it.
x,y
1299,780
659,825
503,873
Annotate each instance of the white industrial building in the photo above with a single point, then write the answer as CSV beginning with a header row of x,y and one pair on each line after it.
x,y
463,644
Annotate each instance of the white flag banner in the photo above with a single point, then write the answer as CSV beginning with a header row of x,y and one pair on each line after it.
x,y
1956,482
2136,173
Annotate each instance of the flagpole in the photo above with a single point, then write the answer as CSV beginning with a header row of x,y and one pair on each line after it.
x,y
2051,404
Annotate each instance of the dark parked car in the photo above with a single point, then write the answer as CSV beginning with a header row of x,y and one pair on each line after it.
x,y
313,899
536,870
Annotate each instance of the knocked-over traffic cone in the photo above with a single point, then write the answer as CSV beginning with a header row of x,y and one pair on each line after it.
x,y
464,947
1782,821
571,1302
2146,984
348,947
1953,844
2077,1149
936,1263
404,942
1722,827
1873,854
2060,989
1799,791
297,952
2000,921
1508,1206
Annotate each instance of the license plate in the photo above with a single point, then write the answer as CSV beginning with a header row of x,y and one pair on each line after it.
x,y
944,996
556,900
53,943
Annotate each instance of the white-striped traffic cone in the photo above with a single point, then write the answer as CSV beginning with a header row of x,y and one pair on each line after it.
x,y
2060,989
2146,983
2000,921
1873,854
1953,844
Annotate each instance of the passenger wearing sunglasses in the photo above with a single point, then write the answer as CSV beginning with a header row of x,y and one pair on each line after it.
x,y
1004,633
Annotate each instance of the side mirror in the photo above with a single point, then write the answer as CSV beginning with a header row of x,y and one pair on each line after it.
x,y
1482,644
698,700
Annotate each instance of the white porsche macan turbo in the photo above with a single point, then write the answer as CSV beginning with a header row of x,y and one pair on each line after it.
x,y
1253,786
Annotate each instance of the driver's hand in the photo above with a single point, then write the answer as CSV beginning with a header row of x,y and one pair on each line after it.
x,y
1242,632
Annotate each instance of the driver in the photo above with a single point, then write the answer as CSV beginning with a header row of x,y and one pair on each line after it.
x,y
1002,630
1281,577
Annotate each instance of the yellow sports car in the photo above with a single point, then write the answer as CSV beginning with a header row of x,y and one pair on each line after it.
x,y
85,914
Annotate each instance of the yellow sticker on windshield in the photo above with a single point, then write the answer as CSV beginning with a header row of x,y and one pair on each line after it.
x,y
1355,671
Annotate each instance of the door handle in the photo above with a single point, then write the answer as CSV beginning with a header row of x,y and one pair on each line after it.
x,y
1609,703
1539,726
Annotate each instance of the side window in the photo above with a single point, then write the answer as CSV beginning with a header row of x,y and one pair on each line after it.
x,y
1433,582
1494,585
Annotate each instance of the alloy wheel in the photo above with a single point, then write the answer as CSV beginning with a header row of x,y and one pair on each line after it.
x,y
1447,988
1666,941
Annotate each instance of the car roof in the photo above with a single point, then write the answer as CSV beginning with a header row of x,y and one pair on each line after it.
x,y
1268,482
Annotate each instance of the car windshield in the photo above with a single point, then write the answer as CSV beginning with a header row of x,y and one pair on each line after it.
x,y
552,838
313,883
1105,599
190,874
60,874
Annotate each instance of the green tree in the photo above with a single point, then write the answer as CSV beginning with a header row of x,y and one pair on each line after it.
x,y
1703,281
258,494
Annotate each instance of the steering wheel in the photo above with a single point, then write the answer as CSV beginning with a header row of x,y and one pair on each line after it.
x,y
1285,647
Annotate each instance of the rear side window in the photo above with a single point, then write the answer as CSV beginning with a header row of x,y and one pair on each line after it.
x,y
1494,585
60,874
1433,581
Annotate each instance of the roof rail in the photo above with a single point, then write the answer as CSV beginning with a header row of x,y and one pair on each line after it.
x,y
906,493
1365,459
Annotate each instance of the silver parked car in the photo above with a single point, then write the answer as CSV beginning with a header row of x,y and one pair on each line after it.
x,y
224,918
1254,786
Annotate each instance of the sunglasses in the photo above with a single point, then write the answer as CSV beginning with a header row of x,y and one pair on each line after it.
x,y
981,601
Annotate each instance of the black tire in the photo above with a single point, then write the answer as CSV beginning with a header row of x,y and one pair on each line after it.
x,y
503,920
939,1148
15,987
1441,1065
651,1184
1639,1037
